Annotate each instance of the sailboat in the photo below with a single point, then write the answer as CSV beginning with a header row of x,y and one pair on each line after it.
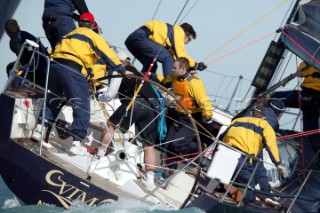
x,y
45,173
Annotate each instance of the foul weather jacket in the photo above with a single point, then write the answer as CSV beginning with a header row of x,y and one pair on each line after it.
x,y
174,41
192,94
250,135
85,47
312,77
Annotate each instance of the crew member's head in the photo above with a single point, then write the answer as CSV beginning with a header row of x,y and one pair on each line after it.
x,y
277,106
11,26
180,67
189,32
87,20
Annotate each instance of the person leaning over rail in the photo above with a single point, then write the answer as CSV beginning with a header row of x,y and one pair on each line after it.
x,y
38,65
146,42
310,103
250,135
143,114
73,60
191,92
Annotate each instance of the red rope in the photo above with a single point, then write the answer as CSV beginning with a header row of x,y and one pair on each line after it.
x,y
299,134
299,45
237,50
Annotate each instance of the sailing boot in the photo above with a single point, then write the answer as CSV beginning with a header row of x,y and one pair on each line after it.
x,y
272,202
77,149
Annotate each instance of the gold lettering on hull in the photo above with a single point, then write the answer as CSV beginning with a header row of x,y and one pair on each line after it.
x,y
66,193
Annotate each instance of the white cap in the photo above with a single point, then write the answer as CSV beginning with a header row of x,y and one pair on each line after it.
x,y
123,56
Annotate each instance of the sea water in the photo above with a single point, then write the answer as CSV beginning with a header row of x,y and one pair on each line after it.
x,y
10,204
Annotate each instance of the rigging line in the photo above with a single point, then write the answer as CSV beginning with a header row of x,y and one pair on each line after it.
x,y
243,100
290,8
230,76
220,86
155,12
226,90
189,11
299,134
217,73
301,124
247,28
243,47
299,45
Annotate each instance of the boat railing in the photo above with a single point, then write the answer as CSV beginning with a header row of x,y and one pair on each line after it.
x,y
24,82
32,46
28,45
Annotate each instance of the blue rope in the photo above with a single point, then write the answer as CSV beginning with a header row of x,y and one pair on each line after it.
x,y
162,125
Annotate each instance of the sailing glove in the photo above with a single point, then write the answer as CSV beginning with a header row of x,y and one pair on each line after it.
x,y
200,66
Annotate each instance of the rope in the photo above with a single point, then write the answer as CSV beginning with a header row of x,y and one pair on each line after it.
x,y
155,12
189,11
243,47
299,45
285,137
162,125
247,28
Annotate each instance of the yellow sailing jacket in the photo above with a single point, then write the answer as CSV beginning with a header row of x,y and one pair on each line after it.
x,y
192,94
250,135
159,34
312,77
99,70
85,47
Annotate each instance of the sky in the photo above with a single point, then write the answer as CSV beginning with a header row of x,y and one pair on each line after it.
x,y
232,35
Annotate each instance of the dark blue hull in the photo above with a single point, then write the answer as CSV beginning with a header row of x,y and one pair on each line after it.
x,y
35,180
